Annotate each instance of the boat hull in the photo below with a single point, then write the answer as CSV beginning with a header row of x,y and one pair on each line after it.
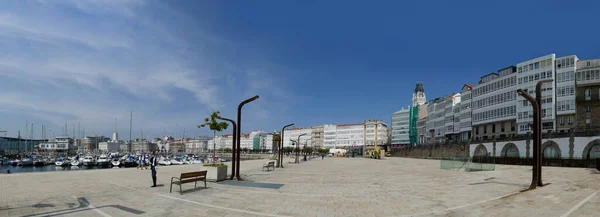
x,y
103,163
74,163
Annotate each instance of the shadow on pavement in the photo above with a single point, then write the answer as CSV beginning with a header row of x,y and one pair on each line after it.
x,y
83,206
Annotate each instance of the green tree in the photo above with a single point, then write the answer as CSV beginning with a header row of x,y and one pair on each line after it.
x,y
227,150
213,124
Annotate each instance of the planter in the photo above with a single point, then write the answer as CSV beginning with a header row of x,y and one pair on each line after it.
x,y
215,173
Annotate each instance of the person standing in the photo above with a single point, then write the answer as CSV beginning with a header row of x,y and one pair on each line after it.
x,y
153,168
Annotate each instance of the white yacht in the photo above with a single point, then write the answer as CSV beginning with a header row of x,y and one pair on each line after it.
x,y
26,162
115,162
164,161
88,160
61,162
103,161
176,161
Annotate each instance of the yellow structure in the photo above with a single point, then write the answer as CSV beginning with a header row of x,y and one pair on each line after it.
x,y
367,151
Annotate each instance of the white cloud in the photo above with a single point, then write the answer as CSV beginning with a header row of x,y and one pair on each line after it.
x,y
95,66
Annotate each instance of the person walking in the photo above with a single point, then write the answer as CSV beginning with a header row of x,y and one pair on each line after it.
x,y
153,168
145,160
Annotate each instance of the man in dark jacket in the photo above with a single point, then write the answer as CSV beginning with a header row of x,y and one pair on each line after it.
x,y
153,162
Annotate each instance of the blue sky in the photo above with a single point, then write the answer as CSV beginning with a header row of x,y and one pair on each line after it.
x,y
311,62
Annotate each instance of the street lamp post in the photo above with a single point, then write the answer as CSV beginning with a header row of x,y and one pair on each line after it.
x,y
233,147
536,180
305,143
298,148
280,159
239,131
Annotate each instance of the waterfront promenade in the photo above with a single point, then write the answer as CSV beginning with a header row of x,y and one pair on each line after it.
x,y
330,187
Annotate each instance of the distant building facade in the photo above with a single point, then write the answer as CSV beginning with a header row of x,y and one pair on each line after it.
x,y
400,127
587,95
494,107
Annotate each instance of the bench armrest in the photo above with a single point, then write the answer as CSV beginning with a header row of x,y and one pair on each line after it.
x,y
175,178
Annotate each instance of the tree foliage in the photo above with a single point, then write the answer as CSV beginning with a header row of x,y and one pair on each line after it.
x,y
213,122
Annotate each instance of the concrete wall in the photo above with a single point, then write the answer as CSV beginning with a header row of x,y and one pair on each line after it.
x,y
570,147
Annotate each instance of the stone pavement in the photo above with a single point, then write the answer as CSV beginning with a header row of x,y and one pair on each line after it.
x,y
330,187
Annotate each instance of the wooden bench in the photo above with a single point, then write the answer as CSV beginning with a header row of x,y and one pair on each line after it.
x,y
270,164
188,178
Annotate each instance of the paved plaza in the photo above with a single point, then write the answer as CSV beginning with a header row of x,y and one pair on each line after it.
x,y
330,187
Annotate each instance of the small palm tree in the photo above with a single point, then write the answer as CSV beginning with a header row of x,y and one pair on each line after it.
x,y
215,126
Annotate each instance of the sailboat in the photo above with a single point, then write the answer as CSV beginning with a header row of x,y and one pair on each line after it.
x,y
75,161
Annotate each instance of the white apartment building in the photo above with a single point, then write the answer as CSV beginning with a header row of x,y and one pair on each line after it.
x,y
565,92
222,141
528,74
258,140
197,144
494,105
350,135
376,131
113,145
400,124
329,136
440,120
292,134
451,110
464,123
110,146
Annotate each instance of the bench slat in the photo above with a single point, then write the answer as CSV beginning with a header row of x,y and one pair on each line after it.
x,y
188,181
193,174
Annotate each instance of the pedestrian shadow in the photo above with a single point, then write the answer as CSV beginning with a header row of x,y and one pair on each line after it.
x,y
83,206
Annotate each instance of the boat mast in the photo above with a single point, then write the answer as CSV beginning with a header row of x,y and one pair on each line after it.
x,y
130,127
26,135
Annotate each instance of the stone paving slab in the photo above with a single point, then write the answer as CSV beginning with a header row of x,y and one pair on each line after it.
x,y
330,187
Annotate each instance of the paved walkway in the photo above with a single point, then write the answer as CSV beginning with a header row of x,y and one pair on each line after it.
x,y
330,187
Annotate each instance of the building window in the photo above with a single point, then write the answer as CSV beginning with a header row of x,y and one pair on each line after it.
x,y
543,112
588,94
493,128
502,127
562,121
484,129
570,120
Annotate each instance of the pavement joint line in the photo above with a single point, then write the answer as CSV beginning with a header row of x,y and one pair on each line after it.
x,y
219,207
580,204
202,204
92,207
463,206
